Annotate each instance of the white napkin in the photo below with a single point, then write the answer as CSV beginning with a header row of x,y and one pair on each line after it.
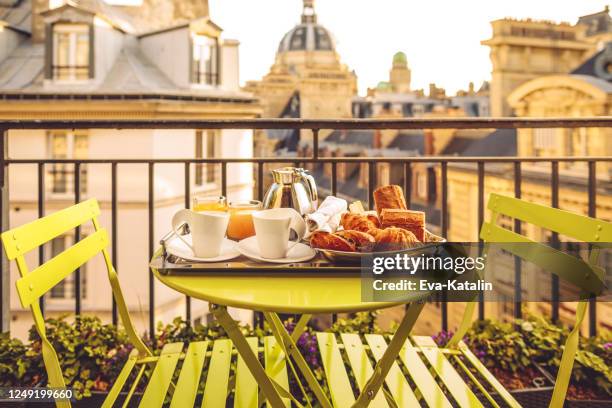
x,y
327,217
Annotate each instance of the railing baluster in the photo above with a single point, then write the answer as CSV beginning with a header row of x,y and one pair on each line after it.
x,y
518,285
224,179
408,193
4,225
371,183
151,206
444,231
554,239
408,183
334,191
315,143
187,205
260,178
334,178
41,213
77,238
114,235
592,213
481,194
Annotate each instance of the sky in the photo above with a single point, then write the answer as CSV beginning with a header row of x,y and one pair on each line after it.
x,y
441,38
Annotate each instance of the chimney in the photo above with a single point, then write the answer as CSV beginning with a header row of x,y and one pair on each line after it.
x,y
38,25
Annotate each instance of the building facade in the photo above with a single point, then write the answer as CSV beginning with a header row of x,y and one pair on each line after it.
x,y
307,64
584,90
89,60
522,50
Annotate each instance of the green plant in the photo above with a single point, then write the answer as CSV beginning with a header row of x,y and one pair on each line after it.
x,y
13,365
91,353
499,345
593,366
362,322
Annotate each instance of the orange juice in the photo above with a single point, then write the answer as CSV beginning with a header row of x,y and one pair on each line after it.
x,y
209,207
240,224
209,204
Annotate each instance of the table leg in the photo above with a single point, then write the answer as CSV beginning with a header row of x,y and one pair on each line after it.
x,y
250,359
383,366
291,350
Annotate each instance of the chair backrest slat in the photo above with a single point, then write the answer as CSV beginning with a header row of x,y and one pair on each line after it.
x,y
579,227
27,237
42,279
572,269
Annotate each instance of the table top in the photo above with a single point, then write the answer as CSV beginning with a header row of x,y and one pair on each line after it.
x,y
316,286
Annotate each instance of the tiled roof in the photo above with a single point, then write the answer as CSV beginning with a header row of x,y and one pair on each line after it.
x,y
132,73
17,15
352,137
501,142
23,68
409,140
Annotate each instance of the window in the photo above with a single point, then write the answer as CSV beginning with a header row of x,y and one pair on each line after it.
x,y
205,58
544,141
67,145
65,289
205,147
70,52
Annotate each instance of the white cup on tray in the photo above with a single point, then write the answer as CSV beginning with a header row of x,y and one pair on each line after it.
x,y
273,228
207,230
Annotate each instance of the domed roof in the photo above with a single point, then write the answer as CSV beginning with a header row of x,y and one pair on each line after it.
x,y
309,35
400,58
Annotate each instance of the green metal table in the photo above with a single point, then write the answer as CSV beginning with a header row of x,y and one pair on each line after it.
x,y
305,288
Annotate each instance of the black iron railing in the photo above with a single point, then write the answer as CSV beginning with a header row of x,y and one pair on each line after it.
x,y
313,125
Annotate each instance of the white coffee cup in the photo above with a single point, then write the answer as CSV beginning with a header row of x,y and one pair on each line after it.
x,y
207,231
272,228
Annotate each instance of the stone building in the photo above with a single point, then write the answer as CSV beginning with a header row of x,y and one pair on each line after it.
x,y
400,74
307,64
584,91
522,50
88,60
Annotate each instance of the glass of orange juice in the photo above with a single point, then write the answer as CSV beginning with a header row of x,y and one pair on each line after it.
x,y
209,203
240,224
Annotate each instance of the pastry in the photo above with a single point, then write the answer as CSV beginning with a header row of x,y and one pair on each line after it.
x,y
362,241
357,222
374,218
393,238
413,221
325,240
391,196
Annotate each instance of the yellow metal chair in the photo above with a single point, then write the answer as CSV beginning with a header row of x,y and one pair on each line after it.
x,y
586,275
215,357
437,375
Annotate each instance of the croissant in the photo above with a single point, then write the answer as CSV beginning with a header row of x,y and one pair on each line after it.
x,y
374,218
393,238
357,222
325,240
362,241
391,196
413,221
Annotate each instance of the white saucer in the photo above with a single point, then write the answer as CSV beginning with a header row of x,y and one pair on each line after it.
x,y
176,247
299,253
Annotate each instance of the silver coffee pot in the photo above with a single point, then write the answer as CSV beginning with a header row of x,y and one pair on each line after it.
x,y
292,188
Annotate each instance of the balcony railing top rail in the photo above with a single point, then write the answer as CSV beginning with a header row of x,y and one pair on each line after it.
x,y
289,123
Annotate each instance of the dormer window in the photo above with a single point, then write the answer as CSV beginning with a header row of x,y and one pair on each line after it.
x,y
71,48
205,68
